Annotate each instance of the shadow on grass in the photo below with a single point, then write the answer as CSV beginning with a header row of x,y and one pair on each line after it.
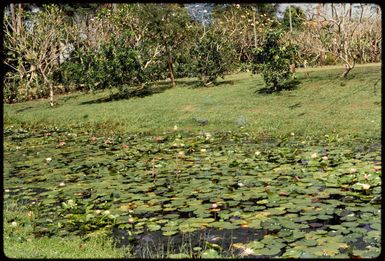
x,y
150,90
198,84
24,109
287,86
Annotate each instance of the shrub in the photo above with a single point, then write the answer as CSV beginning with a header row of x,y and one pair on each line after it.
x,y
115,64
208,61
273,60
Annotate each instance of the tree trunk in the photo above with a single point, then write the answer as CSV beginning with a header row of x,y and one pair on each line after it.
x,y
322,58
12,9
346,72
348,68
51,94
254,29
50,85
18,19
115,7
291,26
170,66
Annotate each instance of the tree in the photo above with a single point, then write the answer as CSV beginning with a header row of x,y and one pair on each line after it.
x,y
32,44
343,34
169,27
273,60
208,57
297,17
243,26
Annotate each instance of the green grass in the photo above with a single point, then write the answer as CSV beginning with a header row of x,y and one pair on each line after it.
x,y
320,105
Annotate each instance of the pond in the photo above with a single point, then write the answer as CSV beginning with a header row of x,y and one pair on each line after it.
x,y
228,192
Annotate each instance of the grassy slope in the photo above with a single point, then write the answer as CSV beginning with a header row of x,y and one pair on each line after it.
x,y
320,105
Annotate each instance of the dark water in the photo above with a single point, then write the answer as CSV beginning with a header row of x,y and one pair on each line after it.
x,y
154,241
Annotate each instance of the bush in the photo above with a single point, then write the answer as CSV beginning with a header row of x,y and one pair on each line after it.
x,y
273,60
208,58
115,64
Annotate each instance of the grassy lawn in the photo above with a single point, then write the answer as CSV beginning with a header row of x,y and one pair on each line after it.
x,y
108,149
322,104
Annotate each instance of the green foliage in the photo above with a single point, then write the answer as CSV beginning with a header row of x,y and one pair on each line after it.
x,y
207,58
269,10
11,88
115,64
273,60
297,17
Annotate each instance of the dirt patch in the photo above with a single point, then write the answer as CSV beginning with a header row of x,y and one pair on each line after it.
x,y
188,108
255,110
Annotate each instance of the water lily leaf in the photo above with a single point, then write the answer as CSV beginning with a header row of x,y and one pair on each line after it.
x,y
256,224
370,253
255,245
153,226
349,224
307,242
292,253
169,233
269,251
210,253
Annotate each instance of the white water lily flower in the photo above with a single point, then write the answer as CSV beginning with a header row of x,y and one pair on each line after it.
x,y
314,155
203,150
247,251
365,186
62,184
175,127
325,158
48,160
106,212
208,135
14,224
257,153
292,134
69,204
